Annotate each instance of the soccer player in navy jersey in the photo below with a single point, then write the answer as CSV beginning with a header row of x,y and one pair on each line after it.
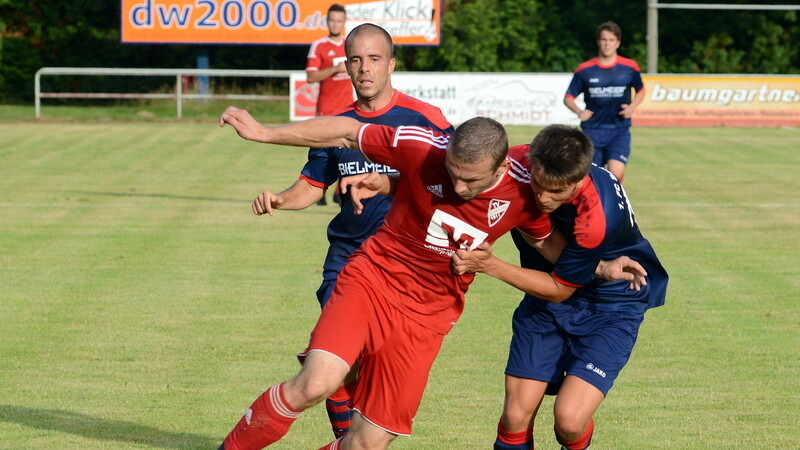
x,y
606,82
370,65
573,341
397,296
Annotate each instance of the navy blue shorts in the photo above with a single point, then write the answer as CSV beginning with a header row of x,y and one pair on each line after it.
x,y
552,340
610,143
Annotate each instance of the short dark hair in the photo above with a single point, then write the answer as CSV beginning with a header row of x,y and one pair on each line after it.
x,y
337,8
477,139
563,152
369,28
610,26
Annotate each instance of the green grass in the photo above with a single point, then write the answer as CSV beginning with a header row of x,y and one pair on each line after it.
x,y
144,306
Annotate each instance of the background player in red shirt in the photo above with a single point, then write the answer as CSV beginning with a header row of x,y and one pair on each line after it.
x,y
605,83
397,296
370,65
326,66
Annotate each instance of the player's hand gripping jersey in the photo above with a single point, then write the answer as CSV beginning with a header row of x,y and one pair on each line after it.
x,y
410,255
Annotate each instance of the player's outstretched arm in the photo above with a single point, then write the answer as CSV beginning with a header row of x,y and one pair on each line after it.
x,y
534,282
319,132
300,195
538,283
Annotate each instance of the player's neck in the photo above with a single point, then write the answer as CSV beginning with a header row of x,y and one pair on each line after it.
x,y
607,60
377,103
337,38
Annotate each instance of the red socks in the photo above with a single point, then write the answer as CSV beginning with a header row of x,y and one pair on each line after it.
x,y
522,440
266,422
335,445
582,442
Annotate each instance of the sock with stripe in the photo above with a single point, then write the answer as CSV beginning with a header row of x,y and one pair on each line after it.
x,y
507,440
335,445
339,413
266,422
581,443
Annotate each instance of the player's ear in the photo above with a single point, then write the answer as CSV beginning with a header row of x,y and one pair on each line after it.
x,y
392,63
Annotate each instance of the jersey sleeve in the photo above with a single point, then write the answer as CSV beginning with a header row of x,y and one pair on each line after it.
x,y
313,61
320,169
575,87
636,81
576,265
379,144
537,228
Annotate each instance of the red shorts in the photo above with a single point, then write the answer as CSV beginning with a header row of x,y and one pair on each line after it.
x,y
394,352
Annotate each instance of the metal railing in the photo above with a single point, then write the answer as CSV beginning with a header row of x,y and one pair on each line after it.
x,y
179,95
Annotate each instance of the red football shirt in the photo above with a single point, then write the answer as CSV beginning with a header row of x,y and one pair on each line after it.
x,y
428,222
334,92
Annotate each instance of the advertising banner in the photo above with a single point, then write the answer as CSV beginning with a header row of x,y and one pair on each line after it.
x,y
410,22
537,99
511,99
736,100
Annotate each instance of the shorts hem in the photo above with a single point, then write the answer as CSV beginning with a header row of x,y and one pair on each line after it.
x,y
302,356
378,426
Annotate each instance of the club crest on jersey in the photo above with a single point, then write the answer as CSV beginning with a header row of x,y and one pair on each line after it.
x,y
436,189
497,209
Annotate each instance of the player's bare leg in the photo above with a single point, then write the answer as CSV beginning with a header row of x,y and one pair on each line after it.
x,y
363,435
522,402
617,168
575,404
269,418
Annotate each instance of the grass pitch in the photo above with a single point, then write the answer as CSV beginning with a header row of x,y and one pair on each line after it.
x,y
143,305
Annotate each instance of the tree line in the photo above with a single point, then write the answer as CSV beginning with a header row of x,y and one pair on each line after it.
x,y
477,36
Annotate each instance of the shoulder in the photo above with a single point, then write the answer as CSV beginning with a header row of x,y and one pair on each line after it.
x,y
586,64
623,61
519,169
430,112
403,136
316,44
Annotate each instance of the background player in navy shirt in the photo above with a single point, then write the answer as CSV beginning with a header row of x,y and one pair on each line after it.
x,y
574,340
370,63
606,82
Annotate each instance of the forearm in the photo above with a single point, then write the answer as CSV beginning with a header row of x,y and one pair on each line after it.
x,y
319,132
300,195
316,76
534,282
570,103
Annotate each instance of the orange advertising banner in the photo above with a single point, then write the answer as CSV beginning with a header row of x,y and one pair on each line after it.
x,y
736,100
410,22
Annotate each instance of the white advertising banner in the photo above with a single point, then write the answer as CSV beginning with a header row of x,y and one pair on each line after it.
x,y
509,98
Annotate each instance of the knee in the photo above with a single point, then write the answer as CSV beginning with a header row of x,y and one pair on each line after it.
x,y
308,391
516,419
570,426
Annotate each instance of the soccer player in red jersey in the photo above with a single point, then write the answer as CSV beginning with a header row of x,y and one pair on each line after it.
x,y
398,295
370,65
325,65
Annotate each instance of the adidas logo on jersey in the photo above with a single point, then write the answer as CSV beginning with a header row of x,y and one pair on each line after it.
x,y
497,209
436,189
331,52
